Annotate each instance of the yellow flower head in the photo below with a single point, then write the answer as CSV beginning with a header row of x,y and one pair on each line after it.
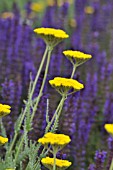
x,y
51,36
4,110
6,15
59,140
10,169
3,140
63,85
109,128
89,10
36,7
60,164
76,56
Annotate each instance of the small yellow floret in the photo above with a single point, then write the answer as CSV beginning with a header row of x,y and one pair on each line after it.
x,y
4,109
59,163
3,140
54,139
109,128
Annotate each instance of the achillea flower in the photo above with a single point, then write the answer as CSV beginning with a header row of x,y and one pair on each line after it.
x,y
89,10
109,128
3,140
63,85
60,164
9,169
4,110
36,7
59,140
6,15
76,56
51,36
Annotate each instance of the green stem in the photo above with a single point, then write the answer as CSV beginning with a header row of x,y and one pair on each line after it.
x,y
58,114
54,165
52,120
19,148
39,96
13,142
42,86
74,69
39,71
30,97
111,167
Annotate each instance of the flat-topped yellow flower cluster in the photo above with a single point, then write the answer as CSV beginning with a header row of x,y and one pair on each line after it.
x,y
77,54
4,110
66,83
109,128
3,140
62,164
54,139
51,36
51,31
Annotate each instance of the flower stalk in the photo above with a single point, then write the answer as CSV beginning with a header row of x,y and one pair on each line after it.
x,y
29,99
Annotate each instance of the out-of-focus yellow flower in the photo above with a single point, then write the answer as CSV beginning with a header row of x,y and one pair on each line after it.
x,y
109,128
63,85
10,169
3,140
73,23
50,2
36,7
89,10
51,36
4,110
60,164
6,15
77,56
54,139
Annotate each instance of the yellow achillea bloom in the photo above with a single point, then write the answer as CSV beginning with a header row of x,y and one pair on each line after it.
x,y
89,10
6,15
109,128
37,7
54,139
63,85
9,169
60,164
76,56
4,110
3,140
51,36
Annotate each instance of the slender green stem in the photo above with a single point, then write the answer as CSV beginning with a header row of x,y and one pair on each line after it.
x,y
39,71
52,120
40,93
74,69
19,148
58,114
42,86
13,142
111,167
42,153
54,165
30,97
